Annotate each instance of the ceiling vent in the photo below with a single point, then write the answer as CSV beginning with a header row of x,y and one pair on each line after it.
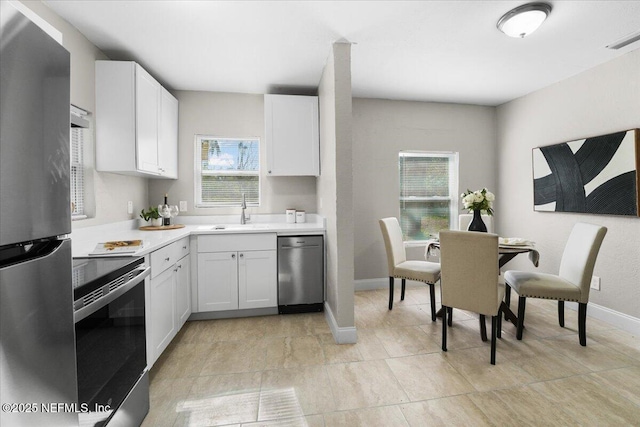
x,y
625,41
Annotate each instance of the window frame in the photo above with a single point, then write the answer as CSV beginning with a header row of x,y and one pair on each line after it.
x,y
454,172
198,172
78,136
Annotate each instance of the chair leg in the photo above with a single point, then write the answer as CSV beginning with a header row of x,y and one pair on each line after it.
x,y
483,328
582,323
404,283
444,328
499,333
494,324
450,318
507,297
390,292
522,301
561,313
432,294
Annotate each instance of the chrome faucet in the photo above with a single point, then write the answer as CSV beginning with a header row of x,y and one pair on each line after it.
x,y
243,218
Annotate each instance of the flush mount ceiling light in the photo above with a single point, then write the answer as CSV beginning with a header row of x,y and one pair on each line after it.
x,y
524,20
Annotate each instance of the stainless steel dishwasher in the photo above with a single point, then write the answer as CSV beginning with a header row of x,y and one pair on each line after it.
x,y
300,274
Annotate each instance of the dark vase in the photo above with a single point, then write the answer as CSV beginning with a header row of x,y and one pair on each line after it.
x,y
477,224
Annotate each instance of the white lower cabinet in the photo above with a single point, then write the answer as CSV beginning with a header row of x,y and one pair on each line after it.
x,y
243,277
183,290
169,302
162,325
217,281
257,279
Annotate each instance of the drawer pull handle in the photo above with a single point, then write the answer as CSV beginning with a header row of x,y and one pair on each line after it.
x,y
233,255
184,247
241,255
166,259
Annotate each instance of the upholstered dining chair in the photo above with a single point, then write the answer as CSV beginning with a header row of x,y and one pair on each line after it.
x,y
465,219
572,283
469,279
401,268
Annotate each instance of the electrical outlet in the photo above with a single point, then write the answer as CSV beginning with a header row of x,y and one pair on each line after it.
x,y
129,207
183,206
595,283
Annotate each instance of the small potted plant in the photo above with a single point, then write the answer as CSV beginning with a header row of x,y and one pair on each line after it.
x,y
152,216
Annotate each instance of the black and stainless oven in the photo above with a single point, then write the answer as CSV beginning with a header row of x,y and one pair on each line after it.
x,y
109,312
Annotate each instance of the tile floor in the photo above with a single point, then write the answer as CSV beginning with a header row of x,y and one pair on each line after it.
x,y
287,371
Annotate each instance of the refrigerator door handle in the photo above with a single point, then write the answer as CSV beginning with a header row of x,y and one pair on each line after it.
x,y
32,251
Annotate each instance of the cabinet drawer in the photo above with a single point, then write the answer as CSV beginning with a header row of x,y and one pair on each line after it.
x,y
165,257
181,248
237,242
162,259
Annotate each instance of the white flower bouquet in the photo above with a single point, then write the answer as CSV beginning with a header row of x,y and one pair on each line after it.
x,y
481,200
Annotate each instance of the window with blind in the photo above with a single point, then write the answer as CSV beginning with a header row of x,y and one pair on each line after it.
x,y
226,168
77,173
428,193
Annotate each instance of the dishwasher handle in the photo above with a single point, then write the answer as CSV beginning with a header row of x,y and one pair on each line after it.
x,y
299,247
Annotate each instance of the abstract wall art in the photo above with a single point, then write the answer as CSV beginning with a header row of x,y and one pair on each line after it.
x,y
596,175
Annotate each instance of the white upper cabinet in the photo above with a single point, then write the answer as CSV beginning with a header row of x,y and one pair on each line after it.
x,y
147,101
291,131
136,122
168,137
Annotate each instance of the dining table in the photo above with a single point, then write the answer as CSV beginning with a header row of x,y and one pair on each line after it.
x,y
508,249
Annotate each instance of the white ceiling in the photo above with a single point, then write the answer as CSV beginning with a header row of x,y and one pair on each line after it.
x,y
441,51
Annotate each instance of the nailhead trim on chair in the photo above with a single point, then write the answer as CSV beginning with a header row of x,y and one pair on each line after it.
x,y
555,299
416,280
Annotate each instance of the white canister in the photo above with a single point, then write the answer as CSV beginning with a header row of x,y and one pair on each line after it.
x,y
291,216
301,216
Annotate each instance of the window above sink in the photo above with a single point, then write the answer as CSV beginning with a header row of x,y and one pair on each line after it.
x,y
227,168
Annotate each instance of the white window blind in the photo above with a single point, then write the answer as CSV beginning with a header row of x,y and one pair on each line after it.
x,y
428,193
226,168
77,172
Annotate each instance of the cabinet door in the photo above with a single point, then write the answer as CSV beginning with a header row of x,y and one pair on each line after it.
x,y
168,137
183,291
257,279
163,315
147,111
115,116
217,281
293,140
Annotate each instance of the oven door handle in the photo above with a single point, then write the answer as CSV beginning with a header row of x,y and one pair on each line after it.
x,y
87,310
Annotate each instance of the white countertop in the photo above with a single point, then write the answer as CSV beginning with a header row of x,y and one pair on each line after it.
x,y
84,240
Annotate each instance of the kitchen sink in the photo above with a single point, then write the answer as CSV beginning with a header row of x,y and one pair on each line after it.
x,y
233,227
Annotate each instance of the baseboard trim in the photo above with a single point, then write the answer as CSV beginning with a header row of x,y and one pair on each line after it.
x,y
346,335
370,284
383,283
620,320
228,314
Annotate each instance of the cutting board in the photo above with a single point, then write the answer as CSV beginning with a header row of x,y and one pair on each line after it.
x,y
161,227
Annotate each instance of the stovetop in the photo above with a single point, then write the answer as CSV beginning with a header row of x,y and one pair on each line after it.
x,y
91,273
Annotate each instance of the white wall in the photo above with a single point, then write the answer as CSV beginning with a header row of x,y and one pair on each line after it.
x,y
334,186
107,195
599,101
228,115
382,128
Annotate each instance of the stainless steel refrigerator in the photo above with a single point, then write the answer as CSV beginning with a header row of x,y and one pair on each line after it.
x,y
37,344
